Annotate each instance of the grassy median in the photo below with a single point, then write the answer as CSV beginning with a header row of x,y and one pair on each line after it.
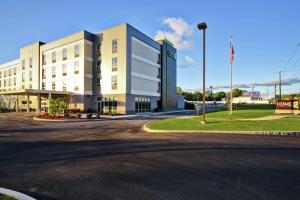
x,y
243,119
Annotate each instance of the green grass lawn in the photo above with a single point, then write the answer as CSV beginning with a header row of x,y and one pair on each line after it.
x,y
218,121
5,197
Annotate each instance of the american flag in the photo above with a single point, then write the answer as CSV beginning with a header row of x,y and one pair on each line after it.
x,y
231,51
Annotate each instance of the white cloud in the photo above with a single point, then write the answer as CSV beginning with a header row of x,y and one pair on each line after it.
x,y
180,33
190,60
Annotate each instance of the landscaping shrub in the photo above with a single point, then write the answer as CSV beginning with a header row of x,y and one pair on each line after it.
x,y
189,106
56,106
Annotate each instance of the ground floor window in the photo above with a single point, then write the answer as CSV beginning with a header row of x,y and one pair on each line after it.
x,y
107,105
142,104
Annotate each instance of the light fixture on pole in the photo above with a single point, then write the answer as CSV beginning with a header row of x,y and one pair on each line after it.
x,y
203,26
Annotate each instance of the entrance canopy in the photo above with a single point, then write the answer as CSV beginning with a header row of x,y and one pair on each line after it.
x,y
33,92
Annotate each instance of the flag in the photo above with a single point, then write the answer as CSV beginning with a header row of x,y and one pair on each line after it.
x,y
231,51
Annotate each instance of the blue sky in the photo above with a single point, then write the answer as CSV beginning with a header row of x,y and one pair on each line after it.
x,y
265,33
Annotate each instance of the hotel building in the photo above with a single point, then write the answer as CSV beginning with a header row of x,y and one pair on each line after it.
x,y
118,70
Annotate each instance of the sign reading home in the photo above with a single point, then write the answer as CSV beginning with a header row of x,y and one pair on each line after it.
x,y
284,104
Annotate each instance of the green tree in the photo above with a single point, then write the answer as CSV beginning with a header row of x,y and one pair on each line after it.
x,y
220,95
236,92
56,106
179,90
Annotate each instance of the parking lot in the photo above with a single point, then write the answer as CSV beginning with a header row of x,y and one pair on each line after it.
x,y
116,160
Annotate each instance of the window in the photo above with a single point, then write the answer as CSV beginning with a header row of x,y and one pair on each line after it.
x,y
64,86
64,69
76,86
158,59
23,64
9,82
23,86
98,82
15,81
142,104
76,67
0,74
64,54
43,73
158,73
43,86
114,82
53,72
4,83
76,50
53,85
114,64
53,57
23,76
15,71
30,75
99,49
30,85
9,72
115,46
4,73
159,87
44,59
30,62
109,104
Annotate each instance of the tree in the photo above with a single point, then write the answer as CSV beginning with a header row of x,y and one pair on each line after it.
x,y
220,95
236,92
56,106
179,90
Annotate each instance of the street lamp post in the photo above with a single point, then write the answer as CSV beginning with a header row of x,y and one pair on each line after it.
x,y
203,26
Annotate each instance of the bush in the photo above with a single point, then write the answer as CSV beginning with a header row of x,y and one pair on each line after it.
x,y
189,106
56,106
6,197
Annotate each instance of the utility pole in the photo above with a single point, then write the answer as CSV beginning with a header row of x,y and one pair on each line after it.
x,y
275,91
280,85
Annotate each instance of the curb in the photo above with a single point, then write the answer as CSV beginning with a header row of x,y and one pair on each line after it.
x,y
274,133
15,194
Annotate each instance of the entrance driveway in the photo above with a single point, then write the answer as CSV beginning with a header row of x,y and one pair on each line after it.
x,y
117,160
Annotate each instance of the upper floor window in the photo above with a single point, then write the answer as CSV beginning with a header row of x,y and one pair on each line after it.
x,y
53,72
114,82
64,69
23,76
76,50
43,73
99,49
115,46
44,59
76,86
64,86
64,54
15,71
98,82
23,64
53,57
9,72
30,75
158,73
158,59
4,72
15,81
53,85
30,85
159,87
43,86
30,62
9,82
0,74
4,83
114,63
76,67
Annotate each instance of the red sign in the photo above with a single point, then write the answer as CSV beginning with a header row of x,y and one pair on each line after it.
x,y
284,104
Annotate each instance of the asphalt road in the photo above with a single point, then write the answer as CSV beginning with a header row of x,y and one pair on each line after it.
x,y
117,160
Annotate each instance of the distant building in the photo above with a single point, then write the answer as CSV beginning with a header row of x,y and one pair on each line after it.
x,y
119,70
